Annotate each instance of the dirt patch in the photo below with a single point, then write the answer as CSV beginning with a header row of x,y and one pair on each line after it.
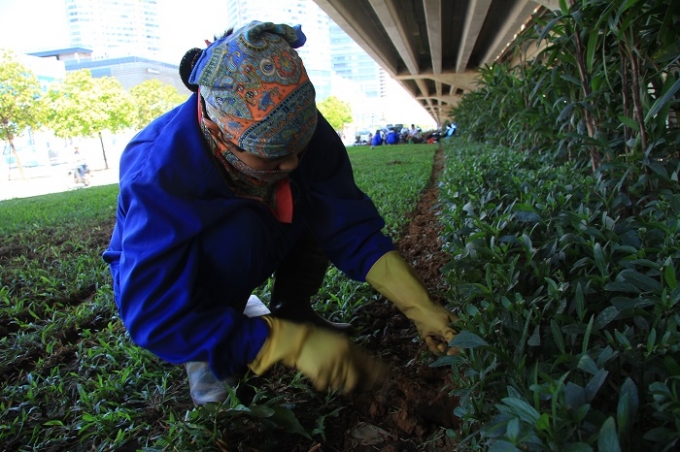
x,y
414,408
412,411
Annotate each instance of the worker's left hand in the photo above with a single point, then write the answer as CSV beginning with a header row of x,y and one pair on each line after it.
x,y
397,281
328,359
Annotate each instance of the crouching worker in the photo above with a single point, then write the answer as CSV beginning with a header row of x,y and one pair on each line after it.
x,y
243,181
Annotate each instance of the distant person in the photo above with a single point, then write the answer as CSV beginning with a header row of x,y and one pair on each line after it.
x,y
392,137
377,139
414,135
80,167
404,134
451,130
244,181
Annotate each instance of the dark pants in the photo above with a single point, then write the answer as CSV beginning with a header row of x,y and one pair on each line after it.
x,y
300,275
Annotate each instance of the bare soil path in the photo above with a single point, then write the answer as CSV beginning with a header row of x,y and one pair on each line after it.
x,y
413,409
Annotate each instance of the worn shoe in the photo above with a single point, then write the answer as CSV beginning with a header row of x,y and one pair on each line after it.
x,y
204,388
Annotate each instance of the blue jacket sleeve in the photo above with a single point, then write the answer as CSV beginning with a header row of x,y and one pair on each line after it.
x,y
155,259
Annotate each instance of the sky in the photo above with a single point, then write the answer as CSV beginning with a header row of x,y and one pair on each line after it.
x,y
29,24
34,25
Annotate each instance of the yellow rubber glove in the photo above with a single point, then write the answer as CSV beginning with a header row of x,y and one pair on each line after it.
x,y
328,359
396,280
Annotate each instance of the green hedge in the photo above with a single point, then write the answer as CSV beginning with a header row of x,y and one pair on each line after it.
x,y
568,302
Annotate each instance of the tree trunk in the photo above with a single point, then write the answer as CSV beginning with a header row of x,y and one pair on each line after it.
x,y
16,158
625,89
106,162
637,102
585,85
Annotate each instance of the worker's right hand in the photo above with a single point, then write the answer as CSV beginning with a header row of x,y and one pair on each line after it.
x,y
328,359
400,284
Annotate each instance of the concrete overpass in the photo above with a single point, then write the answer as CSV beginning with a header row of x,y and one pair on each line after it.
x,y
433,47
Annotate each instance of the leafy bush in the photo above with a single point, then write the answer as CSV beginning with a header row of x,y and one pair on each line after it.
x,y
564,235
569,298
603,89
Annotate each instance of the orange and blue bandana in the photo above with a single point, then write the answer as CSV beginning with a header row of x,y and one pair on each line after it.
x,y
272,188
257,91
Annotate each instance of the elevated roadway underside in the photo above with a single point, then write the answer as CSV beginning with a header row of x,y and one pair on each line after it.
x,y
434,47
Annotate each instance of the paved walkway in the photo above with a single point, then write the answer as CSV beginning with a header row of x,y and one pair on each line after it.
x,y
43,180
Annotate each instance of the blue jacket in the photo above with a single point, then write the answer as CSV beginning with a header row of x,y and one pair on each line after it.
x,y
392,138
186,252
377,140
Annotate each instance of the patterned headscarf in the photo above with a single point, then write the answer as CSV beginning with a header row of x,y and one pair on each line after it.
x,y
272,188
257,91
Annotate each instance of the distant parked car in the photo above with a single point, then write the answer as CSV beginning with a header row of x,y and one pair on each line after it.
x,y
59,157
362,136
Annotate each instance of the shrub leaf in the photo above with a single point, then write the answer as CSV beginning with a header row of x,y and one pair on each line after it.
x,y
466,339
522,409
608,440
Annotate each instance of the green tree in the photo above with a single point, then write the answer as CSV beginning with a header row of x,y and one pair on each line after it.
x,y
83,106
151,99
604,89
19,100
336,112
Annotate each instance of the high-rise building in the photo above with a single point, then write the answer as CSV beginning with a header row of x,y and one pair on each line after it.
x,y
115,28
352,63
388,102
116,38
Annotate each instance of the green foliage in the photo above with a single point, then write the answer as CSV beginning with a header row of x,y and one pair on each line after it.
x,y
152,98
96,204
393,177
71,378
83,106
569,305
604,88
336,112
564,236
20,101
19,95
